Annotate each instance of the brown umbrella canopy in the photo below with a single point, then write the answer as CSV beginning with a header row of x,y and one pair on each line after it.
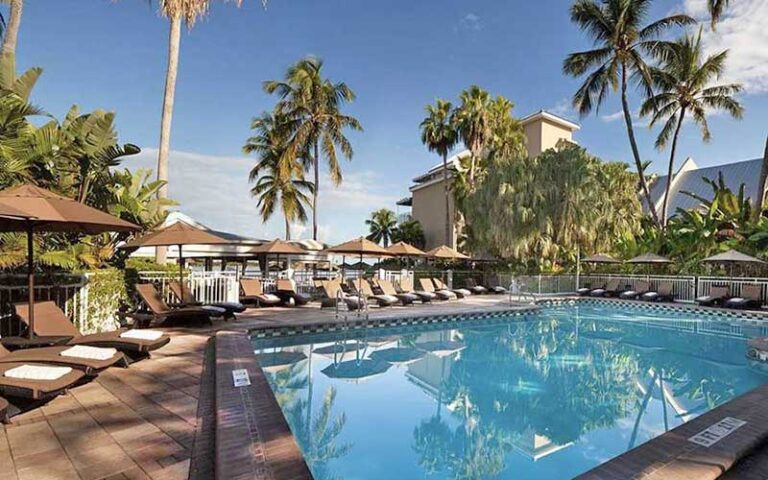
x,y
402,249
359,246
11,213
179,233
649,258
45,211
446,253
54,213
732,256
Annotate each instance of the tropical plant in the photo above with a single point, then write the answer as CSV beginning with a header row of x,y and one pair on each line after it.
x,y
409,231
10,30
621,42
279,178
474,119
683,84
716,9
311,106
382,225
439,134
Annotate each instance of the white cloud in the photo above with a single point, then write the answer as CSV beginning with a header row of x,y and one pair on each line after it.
x,y
471,21
743,32
215,191
564,108
612,117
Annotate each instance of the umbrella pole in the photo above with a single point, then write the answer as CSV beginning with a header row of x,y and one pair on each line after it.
x,y
181,267
31,280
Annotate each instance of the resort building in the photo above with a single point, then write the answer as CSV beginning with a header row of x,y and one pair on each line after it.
x,y
427,194
690,178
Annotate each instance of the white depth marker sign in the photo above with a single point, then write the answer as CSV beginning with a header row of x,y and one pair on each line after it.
x,y
240,378
716,432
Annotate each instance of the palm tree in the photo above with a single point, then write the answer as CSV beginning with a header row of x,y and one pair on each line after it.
x,y
176,11
11,33
311,105
382,225
621,41
474,121
684,85
279,178
439,134
716,9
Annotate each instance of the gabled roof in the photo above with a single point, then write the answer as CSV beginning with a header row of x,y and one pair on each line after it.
x,y
545,115
734,174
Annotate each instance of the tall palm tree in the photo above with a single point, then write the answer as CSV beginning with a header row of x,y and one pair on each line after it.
x,y
312,105
11,28
621,41
382,225
439,134
716,9
279,178
474,121
683,85
177,12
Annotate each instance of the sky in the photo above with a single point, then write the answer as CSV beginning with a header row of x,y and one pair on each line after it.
x,y
397,56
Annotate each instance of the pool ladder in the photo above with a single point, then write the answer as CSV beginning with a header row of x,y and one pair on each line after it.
x,y
361,308
516,290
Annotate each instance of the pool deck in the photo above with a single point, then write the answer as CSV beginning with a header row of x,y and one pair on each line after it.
x,y
140,422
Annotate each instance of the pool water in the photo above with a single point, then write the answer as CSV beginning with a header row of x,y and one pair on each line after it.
x,y
548,395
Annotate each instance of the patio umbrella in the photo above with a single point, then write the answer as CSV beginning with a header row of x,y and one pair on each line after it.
x,y
650,259
11,213
445,253
732,257
278,247
45,211
179,234
360,246
402,249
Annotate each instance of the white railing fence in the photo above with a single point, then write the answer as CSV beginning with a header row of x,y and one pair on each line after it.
x,y
208,287
683,287
734,285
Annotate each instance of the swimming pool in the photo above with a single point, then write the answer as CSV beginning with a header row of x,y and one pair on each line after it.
x,y
550,394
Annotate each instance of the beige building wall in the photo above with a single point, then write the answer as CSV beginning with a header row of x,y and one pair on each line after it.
x,y
542,134
429,209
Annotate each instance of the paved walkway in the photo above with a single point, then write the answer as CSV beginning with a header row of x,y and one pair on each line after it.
x,y
139,422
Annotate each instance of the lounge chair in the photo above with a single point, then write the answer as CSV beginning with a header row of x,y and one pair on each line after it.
x,y
405,285
717,296
586,289
161,313
641,288
51,321
187,299
65,356
662,294
611,286
388,289
331,288
460,292
3,410
363,288
475,288
494,286
750,298
34,389
252,293
428,286
286,290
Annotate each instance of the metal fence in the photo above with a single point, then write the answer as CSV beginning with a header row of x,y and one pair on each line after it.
x,y
208,287
683,287
734,284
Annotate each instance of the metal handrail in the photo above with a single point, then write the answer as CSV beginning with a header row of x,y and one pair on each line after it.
x,y
339,301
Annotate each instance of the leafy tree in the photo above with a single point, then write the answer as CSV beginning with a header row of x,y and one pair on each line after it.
x,y
439,134
409,231
684,85
382,225
716,9
621,43
311,106
474,119
279,177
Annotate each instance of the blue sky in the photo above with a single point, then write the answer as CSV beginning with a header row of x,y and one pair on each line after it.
x,y
396,55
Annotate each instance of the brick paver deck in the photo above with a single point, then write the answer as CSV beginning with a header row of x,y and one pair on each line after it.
x,y
140,422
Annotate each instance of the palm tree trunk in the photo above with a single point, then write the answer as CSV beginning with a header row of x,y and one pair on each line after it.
x,y
287,229
12,28
633,144
671,168
447,200
316,162
174,39
762,186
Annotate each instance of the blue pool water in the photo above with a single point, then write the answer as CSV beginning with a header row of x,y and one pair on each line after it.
x,y
548,395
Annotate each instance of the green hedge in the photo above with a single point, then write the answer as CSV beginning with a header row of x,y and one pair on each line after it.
x,y
107,292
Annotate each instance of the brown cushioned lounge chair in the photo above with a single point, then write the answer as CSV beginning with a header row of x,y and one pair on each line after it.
x,y
286,290
331,288
51,321
460,292
475,288
3,410
187,299
162,313
364,288
428,286
387,288
36,389
717,296
405,285
641,288
662,294
53,356
252,293
750,298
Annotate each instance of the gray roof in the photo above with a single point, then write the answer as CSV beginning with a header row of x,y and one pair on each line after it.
x,y
734,174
